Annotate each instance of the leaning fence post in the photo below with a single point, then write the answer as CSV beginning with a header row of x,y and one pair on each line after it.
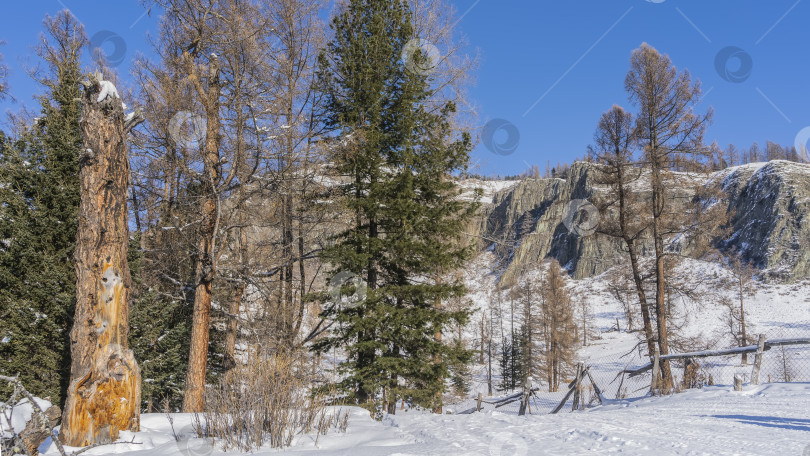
x,y
758,360
655,370
527,391
577,387
596,388
478,403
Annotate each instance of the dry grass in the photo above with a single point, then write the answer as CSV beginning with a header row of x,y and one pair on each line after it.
x,y
265,400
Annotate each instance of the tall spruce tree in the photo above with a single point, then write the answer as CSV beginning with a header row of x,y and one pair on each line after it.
x,y
39,199
397,153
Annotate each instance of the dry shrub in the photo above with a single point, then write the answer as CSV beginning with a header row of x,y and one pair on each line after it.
x,y
266,399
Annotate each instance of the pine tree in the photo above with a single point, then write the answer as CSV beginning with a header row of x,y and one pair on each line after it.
x,y
505,363
160,330
397,154
525,355
461,378
516,364
39,199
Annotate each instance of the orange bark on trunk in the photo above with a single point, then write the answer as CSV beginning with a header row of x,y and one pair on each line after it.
x,y
105,389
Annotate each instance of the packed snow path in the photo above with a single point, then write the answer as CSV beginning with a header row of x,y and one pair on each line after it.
x,y
771,419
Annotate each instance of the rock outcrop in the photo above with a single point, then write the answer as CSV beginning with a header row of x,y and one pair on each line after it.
x,y
768,205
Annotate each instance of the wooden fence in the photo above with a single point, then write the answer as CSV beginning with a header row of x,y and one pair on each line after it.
x,y
762,346
583,375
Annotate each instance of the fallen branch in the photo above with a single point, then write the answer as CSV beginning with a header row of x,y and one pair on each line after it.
x,y
96,445
37,409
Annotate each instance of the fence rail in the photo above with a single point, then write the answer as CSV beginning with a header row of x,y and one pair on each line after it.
x,y
729,351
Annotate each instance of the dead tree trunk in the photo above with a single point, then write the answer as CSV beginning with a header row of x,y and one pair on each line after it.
x,y
105,388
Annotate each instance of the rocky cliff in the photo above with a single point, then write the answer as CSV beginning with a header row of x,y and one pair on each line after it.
x,y
769,206
533,219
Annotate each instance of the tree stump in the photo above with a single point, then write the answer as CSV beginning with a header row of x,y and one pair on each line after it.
x,y
105,388
691,370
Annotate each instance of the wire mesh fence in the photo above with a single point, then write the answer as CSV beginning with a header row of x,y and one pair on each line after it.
x,y
609,371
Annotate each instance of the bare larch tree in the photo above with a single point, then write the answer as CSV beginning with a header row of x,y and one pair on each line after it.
x,y
614,142
671,136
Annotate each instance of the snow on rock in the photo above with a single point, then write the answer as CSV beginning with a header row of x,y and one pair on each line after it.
x,y
107,90
488,188
13,419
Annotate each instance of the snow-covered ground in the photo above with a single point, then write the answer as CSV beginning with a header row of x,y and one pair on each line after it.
x,y
776,310
771,419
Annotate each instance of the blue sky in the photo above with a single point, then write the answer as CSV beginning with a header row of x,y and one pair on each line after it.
x,y
551,68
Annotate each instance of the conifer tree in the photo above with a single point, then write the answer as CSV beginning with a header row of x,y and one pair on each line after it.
x,y
160,331
516,365
396,153
505,363
39,199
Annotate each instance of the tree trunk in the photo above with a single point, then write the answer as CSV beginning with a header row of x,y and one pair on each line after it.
x,y
630,241
193,398
642,298
660,277
232,328
481,352
437,336
105,389
742,322
489,356
391,409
